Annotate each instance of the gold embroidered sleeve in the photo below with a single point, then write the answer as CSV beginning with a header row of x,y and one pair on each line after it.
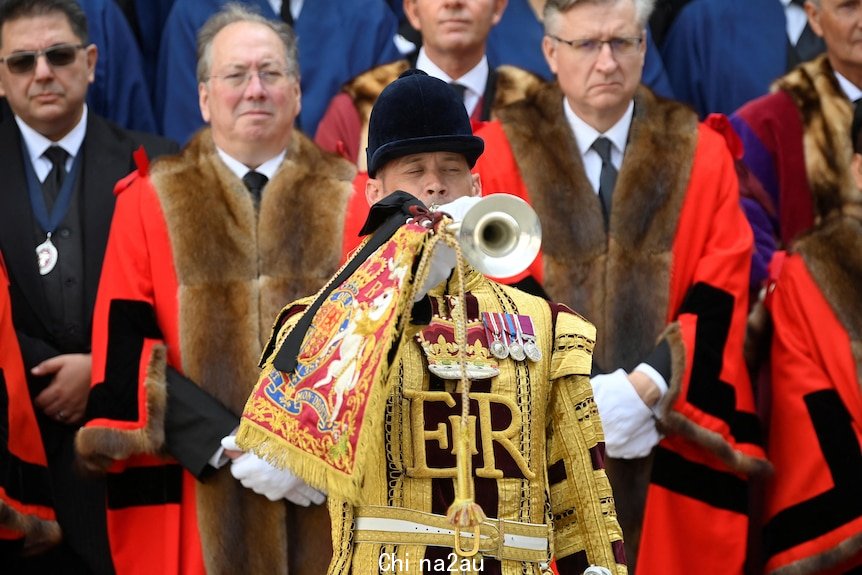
x,y
582,503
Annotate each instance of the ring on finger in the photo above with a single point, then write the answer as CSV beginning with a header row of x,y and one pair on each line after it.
x,y
61,416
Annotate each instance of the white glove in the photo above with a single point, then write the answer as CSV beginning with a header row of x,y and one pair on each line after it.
x,y
262,477
443,259
628,423
458,208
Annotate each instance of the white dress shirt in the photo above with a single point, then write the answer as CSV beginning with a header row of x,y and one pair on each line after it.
x,y
585,135
36,145
268,168
475,81
796,20
295,7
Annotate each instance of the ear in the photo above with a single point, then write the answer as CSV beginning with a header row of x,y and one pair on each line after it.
x,y
297,95
476,186
499,8
203,101
91,53
813,13
856,170
549,49
412,14
374,190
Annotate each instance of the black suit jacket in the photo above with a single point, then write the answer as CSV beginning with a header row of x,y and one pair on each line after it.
x,y
107,157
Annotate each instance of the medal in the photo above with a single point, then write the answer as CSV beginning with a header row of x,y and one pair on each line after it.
x,y
532,350
516,348
46,256
498,348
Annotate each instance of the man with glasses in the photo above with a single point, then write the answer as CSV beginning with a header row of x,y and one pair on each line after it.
x,y
648,242
205,248
60,164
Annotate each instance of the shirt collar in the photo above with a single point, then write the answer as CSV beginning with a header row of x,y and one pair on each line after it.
x,y
37,143
474,80
268,168
585,134
851,90
295,7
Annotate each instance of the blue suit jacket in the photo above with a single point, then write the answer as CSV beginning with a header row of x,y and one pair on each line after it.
x,y
338,39
119,92
720,54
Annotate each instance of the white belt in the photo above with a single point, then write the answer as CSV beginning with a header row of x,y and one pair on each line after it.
x,y
500,538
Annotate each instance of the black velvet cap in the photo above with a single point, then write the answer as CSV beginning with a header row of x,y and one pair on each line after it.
x,y
417,113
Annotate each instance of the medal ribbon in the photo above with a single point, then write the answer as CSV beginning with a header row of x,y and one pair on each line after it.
x,y
49,222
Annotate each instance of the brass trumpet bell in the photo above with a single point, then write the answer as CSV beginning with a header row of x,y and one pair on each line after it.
x,y
500,236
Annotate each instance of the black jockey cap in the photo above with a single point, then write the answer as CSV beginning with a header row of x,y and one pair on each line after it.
x,y
417,113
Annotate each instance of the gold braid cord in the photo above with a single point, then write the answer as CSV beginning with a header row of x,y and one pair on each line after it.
x,y
464,512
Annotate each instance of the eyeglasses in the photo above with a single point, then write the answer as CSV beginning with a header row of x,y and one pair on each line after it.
x,y
57,56
241,79
590,47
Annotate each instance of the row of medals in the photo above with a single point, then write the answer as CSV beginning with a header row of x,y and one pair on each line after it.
x,y
508,339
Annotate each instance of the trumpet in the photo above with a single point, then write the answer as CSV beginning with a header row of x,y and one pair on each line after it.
x,y
500,236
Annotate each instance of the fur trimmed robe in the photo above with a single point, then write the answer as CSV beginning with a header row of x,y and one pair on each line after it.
x,y
797,143
194,276
813,518
26,508
672,270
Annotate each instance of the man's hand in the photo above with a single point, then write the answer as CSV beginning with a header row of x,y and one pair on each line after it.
x,y
628,424
65,398
443,259
645,387
262,477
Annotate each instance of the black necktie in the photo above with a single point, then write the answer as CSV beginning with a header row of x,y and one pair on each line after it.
x,y
255,181
285,13
52,184
460,89
608,176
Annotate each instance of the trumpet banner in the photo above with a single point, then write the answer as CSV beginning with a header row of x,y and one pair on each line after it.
x,y
320,418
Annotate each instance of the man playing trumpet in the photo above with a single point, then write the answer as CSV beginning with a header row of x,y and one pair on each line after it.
x,y
482,400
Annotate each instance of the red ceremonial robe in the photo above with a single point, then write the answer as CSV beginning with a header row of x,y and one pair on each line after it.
x,y
672,270
26,513
193,278
813,514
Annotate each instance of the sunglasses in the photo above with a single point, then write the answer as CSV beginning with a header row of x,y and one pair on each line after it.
x,y
25,62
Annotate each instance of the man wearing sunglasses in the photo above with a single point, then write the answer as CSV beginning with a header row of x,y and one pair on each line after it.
x,y
60,165
651,245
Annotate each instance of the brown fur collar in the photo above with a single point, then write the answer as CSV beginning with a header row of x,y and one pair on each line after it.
x,y
235,271
512,85
826,117
833,255
608,278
